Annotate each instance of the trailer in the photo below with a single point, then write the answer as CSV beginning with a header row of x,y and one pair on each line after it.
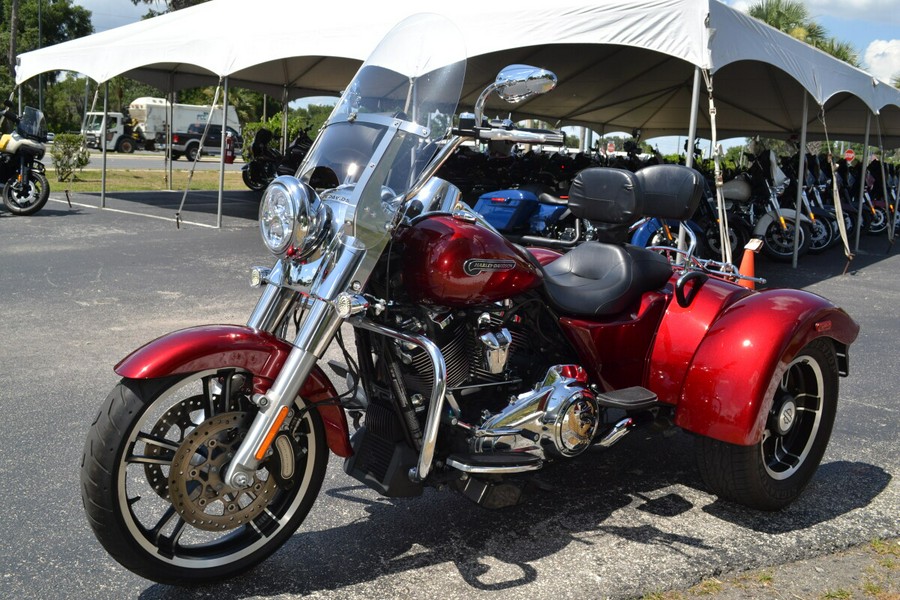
x,y
145,124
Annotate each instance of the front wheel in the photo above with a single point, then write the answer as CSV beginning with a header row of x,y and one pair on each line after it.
x,y
778,240
772,473
152,477
26,199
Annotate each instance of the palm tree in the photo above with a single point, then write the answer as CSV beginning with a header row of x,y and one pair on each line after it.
x,y
844,51
792,18
896,81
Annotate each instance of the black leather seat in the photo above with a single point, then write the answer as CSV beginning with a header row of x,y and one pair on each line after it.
x,y
597,279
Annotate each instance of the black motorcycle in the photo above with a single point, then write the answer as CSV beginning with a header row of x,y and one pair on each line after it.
x,y
268,163
22,146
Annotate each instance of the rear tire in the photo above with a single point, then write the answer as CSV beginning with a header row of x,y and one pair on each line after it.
x,y
772,473
251,182
192,151
26,201
151,479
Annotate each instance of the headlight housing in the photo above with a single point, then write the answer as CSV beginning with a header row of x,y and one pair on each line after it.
x,y
292,219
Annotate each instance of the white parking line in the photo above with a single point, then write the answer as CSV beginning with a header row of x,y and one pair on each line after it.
x,y
129,212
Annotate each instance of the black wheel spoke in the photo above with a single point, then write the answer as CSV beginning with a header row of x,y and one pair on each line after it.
x,y
161,443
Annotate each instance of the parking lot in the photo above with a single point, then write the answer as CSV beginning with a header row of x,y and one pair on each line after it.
x,y
81,287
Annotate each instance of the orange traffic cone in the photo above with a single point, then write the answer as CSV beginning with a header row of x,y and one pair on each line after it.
x,y
748,268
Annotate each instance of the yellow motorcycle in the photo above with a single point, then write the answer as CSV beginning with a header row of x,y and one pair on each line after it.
x,y
25,185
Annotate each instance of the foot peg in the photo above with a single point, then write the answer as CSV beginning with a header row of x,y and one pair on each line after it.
x,y
632,398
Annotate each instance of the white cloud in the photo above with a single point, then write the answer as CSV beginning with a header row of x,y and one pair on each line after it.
x,y
883,59
741,5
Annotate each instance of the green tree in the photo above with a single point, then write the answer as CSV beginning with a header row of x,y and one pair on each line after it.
x,y
170,5
792,18
896,81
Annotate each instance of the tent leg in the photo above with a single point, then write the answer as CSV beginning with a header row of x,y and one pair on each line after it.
x,y
862,180
222,152
103,144
284,127
801,170
689,158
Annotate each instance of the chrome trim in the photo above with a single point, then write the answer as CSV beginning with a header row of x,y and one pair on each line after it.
x,y
274,302
618,431
484,470
438,392
315,334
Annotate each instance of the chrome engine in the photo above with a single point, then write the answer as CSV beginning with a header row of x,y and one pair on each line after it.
x,y
559,418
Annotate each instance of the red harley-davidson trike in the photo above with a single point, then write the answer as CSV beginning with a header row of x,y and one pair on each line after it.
x,y
477,362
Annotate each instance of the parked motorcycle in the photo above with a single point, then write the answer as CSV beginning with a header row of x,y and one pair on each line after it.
x,y
477,363
267,163
25,185
755,198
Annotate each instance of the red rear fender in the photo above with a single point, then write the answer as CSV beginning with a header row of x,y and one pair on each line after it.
x,y
218,346
730,384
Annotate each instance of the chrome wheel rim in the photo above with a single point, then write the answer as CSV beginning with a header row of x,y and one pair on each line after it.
x,y
148,493
795,419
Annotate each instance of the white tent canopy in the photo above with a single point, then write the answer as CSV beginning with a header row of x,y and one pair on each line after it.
x,y
622,65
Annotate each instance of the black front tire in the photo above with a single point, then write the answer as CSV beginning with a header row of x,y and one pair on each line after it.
x,y
772,473
151,483
778,241
126,146
27,200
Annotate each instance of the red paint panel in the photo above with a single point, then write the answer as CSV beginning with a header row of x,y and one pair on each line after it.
x,y
681,332
615,352
545,256
436,251
731,383
217,346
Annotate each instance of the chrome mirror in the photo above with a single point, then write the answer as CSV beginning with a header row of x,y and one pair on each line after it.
x,y
515,83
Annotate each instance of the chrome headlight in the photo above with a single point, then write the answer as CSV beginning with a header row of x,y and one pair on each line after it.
x,y
292,219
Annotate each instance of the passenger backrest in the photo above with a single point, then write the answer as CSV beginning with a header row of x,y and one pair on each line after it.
x,y
606,195
670,191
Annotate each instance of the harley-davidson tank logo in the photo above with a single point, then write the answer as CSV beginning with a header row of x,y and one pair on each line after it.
x,y
476,266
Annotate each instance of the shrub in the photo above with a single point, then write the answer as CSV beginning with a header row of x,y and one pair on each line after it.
x,y
69,155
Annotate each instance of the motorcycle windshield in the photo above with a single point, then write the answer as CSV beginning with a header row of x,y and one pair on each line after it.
x,y
382,133
32,123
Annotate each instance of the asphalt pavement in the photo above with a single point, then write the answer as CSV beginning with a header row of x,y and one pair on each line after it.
x,y
81,287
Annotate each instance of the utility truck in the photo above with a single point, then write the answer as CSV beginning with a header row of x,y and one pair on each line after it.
x,y
144,125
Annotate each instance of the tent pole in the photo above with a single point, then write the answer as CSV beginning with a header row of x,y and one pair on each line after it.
x,y
692,128
862,180
801,171
222,151
103,144
170,123
689,159
284,119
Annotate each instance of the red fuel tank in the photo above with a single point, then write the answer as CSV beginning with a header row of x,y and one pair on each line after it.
x,y
450,261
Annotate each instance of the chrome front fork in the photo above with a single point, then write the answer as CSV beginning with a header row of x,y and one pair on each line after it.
x,y
315,334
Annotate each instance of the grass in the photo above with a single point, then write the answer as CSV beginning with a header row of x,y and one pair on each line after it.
x,y
128,180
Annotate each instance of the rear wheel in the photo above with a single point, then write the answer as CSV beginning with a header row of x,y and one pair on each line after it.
x,y
192,151
152,477
251,182
26,199
772,473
